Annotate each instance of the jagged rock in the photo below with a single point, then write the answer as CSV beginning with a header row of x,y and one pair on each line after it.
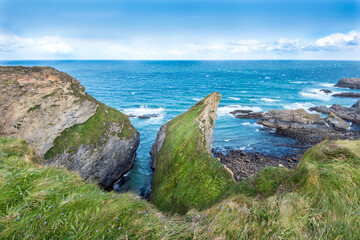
x,y
347,94
157,145
305,126
327,91
52,112
347,113
352,83
186,175
247,114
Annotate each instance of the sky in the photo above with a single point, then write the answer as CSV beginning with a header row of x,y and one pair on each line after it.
x,y
179,30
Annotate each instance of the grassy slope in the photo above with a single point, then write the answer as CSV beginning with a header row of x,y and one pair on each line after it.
x,y
187,175
319,199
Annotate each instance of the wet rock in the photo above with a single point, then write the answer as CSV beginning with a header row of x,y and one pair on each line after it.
x,y
352,83
327,91
347,94
246,114
245,164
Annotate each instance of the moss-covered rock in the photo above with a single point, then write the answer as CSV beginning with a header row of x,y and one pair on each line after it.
x,y
51,111
186,174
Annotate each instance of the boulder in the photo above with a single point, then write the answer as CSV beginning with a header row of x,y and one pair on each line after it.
x,y
352,83
186,175
305,126
327,91
51,111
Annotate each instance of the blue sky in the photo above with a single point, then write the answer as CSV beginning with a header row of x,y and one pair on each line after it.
x,y
174,29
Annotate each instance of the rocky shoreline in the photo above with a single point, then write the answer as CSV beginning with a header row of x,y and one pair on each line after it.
x,y
308,128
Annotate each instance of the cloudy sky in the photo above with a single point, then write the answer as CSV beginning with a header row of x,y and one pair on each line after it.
x,y
180,29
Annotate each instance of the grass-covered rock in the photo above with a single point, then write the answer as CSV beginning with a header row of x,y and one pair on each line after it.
x,y
317,200
186,174
51,111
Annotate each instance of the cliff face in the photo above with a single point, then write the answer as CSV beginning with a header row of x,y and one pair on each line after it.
x,y
186,174
52,112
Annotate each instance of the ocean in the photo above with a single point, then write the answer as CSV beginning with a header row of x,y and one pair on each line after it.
x,y
169,88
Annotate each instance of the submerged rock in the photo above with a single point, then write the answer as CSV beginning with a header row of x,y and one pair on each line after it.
x,y
186,175
52,112
352,83
347,113
327,91
305,126
347,94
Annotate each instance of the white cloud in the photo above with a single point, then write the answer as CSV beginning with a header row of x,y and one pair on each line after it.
x,y
339,40
334,46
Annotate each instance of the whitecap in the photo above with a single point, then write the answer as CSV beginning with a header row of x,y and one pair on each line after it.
x,y
269,100
243,91
315,94
222,111
133,93
227,140
327,84
298,82
298,105
267,77
197,99
234,98
145,110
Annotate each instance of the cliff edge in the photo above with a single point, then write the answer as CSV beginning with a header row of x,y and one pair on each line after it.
x,y
51,111
186,174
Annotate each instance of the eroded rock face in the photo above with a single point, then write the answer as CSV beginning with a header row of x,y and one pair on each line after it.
x,y
347,113
352,83
52,112
305,126
157,145
347,94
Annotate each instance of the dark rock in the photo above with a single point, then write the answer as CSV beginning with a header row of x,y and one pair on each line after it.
x,y
347,113
306,127
241,112
143,117
245,164
352,83
347,94
325,91
247,114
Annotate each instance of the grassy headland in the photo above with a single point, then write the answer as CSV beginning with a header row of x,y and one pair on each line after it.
x,y
320,199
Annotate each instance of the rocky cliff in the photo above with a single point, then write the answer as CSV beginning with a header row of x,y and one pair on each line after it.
x,y
52,112
186,174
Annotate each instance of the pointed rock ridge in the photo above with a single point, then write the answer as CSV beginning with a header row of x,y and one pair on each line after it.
x,y
186,174
52,112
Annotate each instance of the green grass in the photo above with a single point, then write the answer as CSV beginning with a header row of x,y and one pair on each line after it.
x,y
322,202
93,131
187,175
34,108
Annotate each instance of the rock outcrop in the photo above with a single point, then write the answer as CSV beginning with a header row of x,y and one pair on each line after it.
x,y
347,94
52,112
247,114
347,113
305,126
186,175
352,83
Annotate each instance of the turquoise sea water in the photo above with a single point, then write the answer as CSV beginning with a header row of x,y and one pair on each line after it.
x,y
169,88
